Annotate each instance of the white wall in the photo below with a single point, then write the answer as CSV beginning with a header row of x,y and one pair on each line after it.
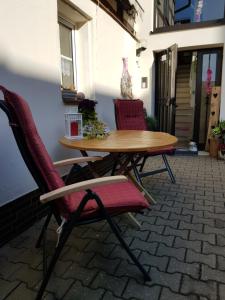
x,y
30,65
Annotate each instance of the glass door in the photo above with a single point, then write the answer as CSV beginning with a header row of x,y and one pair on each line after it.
x,y
209,65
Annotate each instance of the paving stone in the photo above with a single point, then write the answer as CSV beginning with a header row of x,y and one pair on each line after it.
x,y
140,291
217,231
112,283
140,234
175,209
154,237
110,296
212,274
7,287
186,218
198,220
196,213
30,276
176,232
57,286
214,216
220,224
208,249
221,262
204,208
144,246
130,270
209,259
192,286
146,219
192,269
77,242
21,292
171,223
159,262
95,234
153,228
190,226
163,250
180,243
121,253
8,268
210,237
82,258
184,205
99,247
104,264
220,240
165,279
82,274
77,291
221,292
168,295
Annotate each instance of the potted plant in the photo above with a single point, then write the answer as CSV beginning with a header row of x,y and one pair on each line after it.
x,y
219,134
92,127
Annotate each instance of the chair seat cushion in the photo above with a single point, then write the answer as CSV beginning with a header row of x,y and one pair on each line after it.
x,y
117,198
167,150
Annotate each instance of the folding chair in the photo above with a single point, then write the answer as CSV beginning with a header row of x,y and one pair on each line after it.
x,y
129,115
77,204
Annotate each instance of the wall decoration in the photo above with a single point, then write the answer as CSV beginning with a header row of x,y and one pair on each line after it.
x,y
126,83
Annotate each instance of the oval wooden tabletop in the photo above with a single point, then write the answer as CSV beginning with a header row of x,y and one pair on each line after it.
x,y
123,141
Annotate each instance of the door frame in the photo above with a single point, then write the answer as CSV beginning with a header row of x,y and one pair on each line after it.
x,y
165,89
197,113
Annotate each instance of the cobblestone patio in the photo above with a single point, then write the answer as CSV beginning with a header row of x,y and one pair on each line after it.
x,y
181,243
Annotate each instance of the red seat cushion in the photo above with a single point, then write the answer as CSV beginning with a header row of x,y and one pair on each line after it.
x,y
117,198
130,115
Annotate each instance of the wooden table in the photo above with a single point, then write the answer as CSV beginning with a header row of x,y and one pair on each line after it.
x,y
128,142
123,141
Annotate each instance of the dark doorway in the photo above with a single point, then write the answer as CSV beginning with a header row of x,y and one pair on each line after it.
x,y
184,111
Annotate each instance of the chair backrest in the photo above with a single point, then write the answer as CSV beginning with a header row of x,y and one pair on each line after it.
x,y
30,144
129,114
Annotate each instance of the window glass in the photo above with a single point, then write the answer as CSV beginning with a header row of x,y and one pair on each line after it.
x,y
66,46
199,10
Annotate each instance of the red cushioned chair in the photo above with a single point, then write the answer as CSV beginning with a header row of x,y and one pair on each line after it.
x,y
77,204
129,115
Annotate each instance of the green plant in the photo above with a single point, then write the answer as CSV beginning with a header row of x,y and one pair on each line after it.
x,y
93,128
219,132
151,123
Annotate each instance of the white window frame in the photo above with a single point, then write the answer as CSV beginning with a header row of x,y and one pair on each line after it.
x,y
74,51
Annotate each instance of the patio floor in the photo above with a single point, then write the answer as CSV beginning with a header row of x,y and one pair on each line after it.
x,y
181,244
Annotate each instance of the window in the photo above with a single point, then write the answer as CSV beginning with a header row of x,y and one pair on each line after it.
x,y
176,12
67,48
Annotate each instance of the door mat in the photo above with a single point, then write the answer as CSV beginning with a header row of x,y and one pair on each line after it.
x,y
186,151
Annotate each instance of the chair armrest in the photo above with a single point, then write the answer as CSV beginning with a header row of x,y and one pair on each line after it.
x,y
76,160
80,186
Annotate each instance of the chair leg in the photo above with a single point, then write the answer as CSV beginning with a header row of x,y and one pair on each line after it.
x,y
168,168
142,164
114,168
64,236
125,246
136,173
43,230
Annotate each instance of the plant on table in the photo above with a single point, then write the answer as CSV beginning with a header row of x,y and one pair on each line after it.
x,y
93,128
